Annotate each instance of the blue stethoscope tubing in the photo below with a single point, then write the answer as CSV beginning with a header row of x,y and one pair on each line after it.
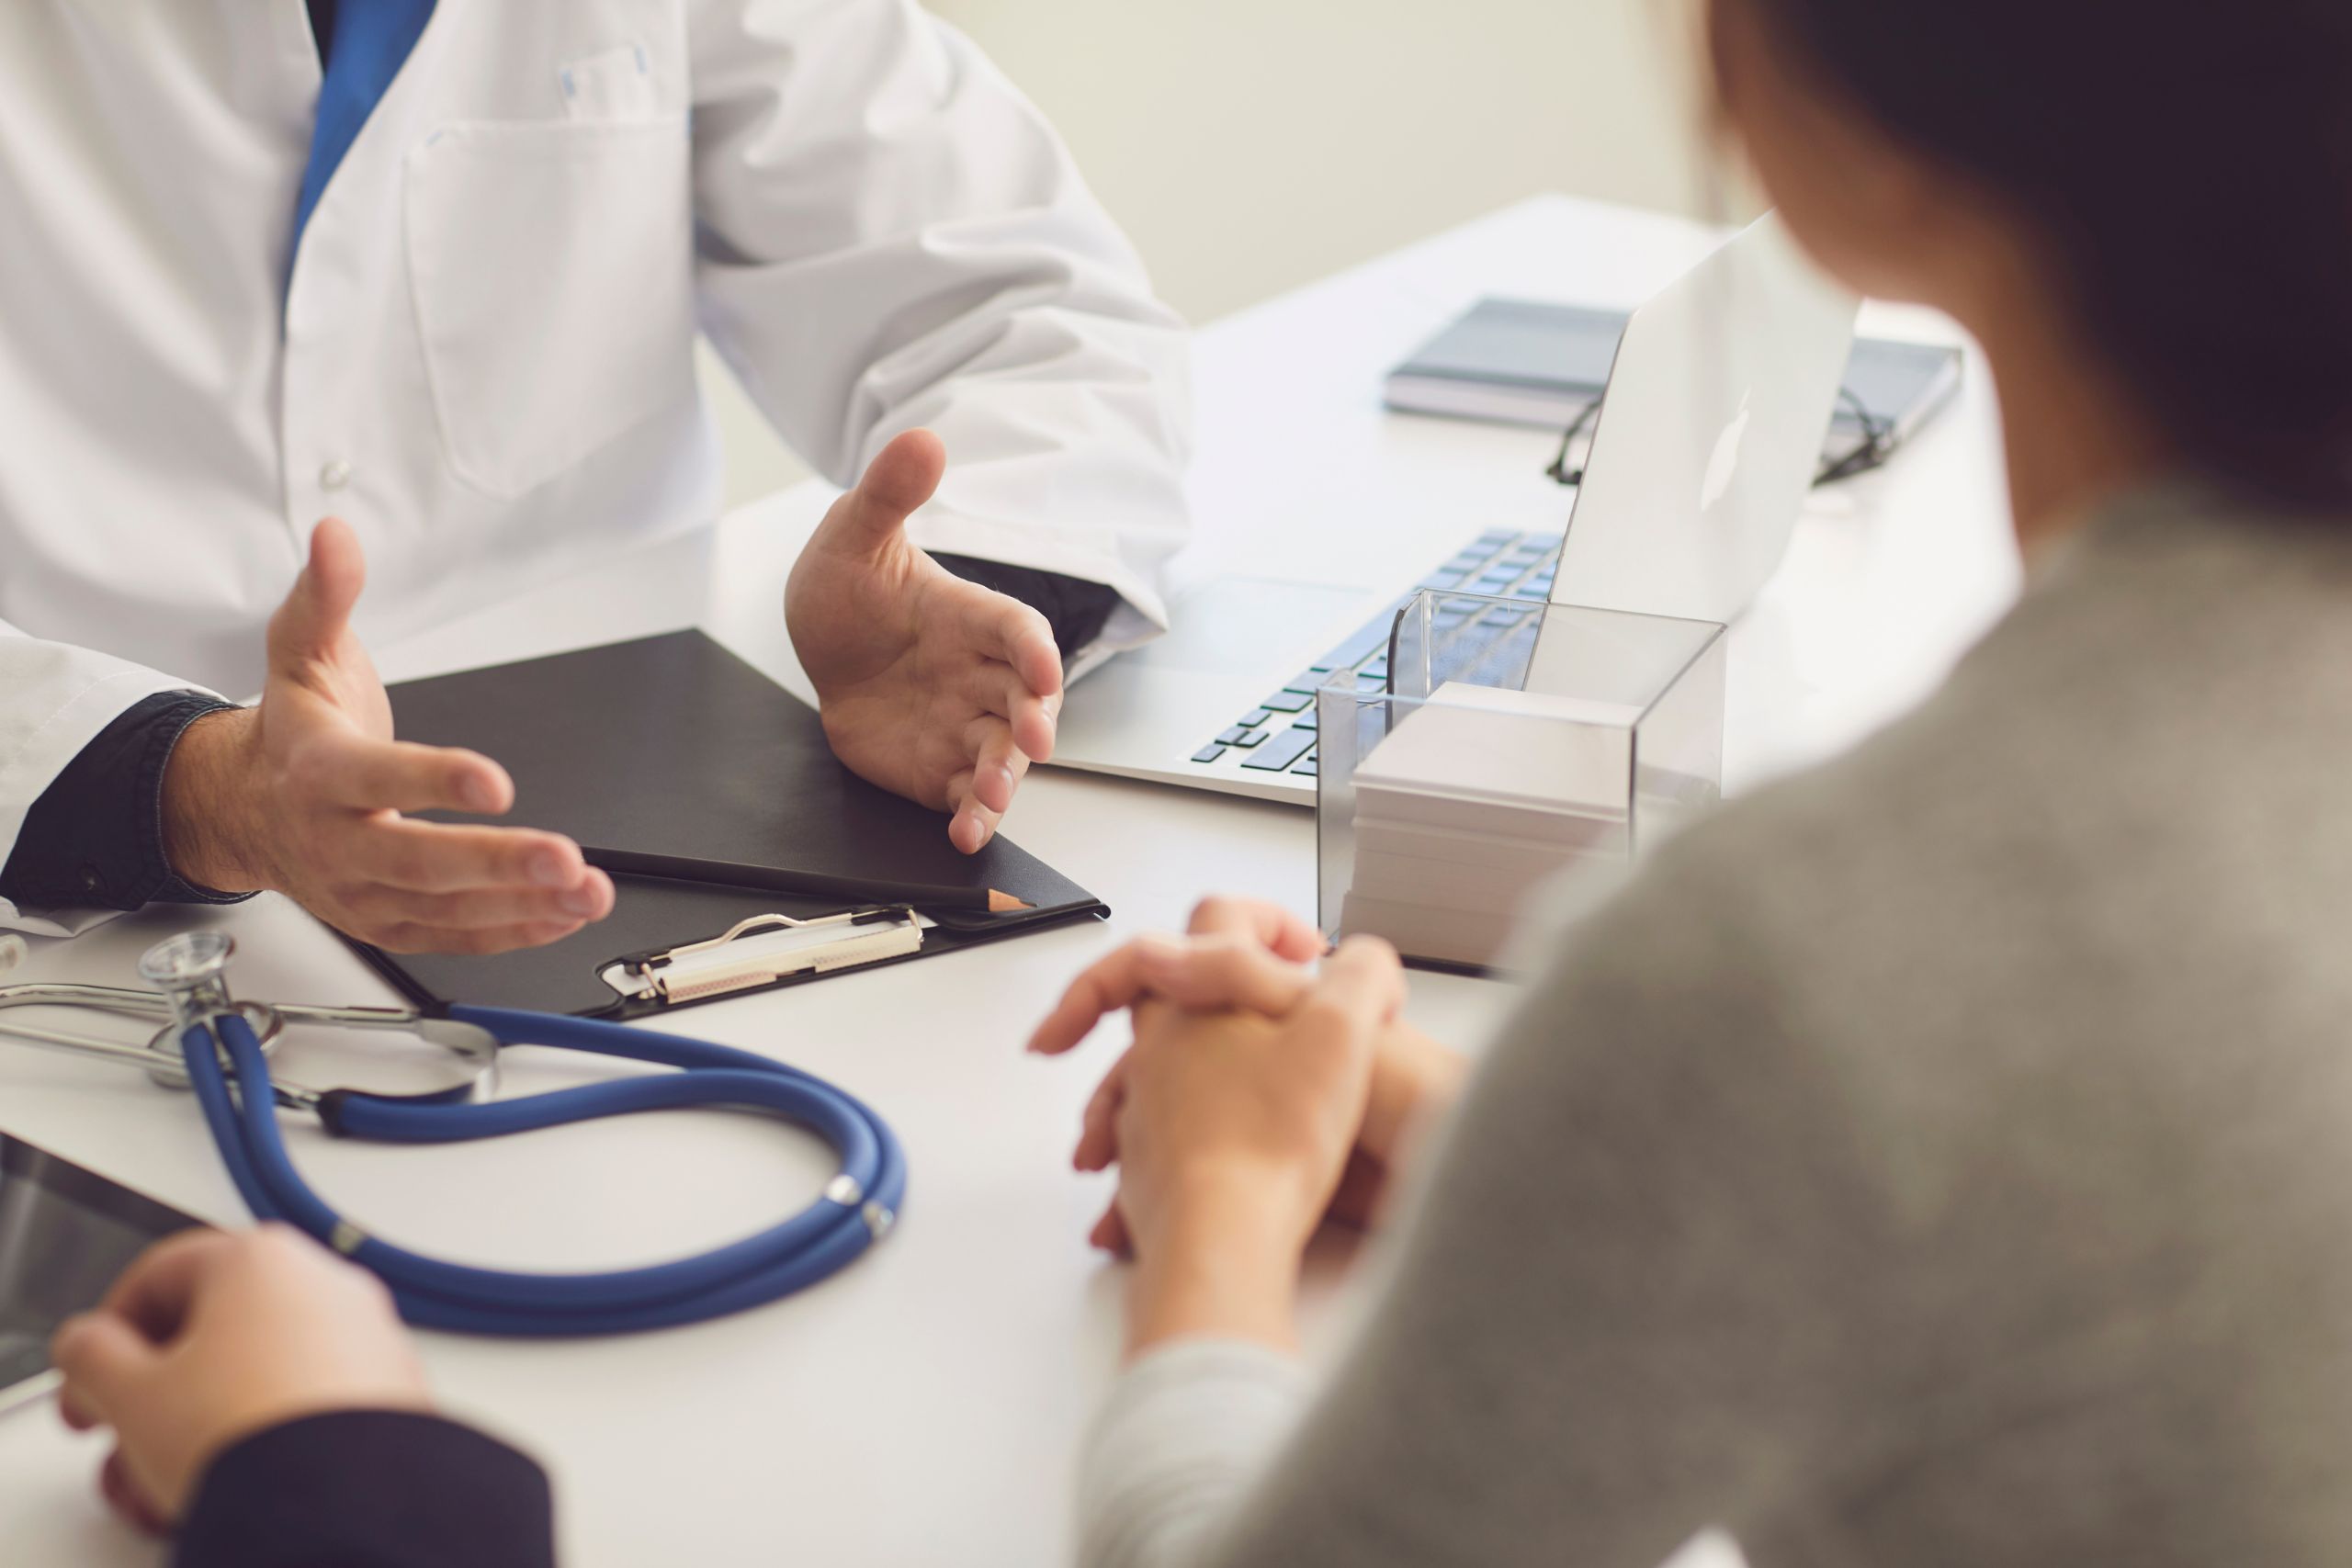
x,y
431,1294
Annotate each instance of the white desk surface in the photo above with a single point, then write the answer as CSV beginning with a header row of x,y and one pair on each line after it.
x,y
926,1405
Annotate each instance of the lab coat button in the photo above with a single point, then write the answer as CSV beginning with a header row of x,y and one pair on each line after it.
x,y
334,474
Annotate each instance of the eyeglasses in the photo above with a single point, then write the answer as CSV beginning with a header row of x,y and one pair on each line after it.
x,y
1875,444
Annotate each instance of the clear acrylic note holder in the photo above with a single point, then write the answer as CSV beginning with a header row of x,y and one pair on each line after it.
x,y
1509,742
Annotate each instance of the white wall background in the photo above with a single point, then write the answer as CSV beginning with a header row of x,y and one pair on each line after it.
x,y
1249,146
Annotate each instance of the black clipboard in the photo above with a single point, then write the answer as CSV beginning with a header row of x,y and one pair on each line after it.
x,y
671,744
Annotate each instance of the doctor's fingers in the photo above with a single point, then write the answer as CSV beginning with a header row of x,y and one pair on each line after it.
x,y
983,792
348,769
318,607
995,688
1003,628
902,476
414,936
974,823
441,857
998,762
481,908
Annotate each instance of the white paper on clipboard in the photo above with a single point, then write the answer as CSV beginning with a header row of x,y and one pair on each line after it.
x,y
767,948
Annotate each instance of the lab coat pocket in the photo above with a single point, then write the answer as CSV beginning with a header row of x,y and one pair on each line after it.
x,y
616,85
551,266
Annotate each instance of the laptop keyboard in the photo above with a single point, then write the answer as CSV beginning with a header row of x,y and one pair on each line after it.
x,y
1278,735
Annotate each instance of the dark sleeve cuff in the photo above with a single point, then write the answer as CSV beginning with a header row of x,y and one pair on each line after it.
x,y
95,839
1074,607
369,1489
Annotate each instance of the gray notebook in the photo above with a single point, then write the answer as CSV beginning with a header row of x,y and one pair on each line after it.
x,y
1523,362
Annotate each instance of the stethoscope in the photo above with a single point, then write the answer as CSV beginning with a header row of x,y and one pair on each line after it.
x,y
220,1048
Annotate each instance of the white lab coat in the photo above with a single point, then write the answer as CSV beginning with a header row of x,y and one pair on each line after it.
x,y
481,354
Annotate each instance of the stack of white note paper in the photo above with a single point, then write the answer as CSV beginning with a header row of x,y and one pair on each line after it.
x,y
1475,798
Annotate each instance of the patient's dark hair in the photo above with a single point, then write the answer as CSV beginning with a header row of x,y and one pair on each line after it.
x,y
2187,164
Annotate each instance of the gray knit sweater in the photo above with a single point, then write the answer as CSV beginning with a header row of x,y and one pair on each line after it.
x,y
1944,1157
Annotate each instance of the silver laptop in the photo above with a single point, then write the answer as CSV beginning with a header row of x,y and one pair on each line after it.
x,y
1707,439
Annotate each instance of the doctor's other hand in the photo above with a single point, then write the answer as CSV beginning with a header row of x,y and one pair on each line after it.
x,y
932,687
1247,955
211,1336
304,795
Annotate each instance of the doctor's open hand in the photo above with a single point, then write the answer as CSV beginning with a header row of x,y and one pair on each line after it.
x,y
932,687
305,794
212,1336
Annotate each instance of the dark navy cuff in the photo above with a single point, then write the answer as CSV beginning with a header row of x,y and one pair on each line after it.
x,y
95,839
1074,607
369,1489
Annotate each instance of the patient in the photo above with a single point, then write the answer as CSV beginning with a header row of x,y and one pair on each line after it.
x,y
1940,1158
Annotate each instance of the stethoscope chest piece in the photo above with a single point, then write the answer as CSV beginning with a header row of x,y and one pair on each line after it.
x,y
191,971
193,958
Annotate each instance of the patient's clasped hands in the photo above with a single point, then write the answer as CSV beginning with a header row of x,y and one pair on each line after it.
x,y
1259,1097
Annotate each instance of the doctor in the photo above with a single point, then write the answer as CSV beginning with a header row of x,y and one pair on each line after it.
x,y
436,270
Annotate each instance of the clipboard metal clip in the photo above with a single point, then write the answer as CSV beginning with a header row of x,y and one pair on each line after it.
x,y
765,949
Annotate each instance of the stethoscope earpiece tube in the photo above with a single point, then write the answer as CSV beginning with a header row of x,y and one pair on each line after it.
x,y
858,1207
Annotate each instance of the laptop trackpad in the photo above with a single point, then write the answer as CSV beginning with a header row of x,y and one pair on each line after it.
x,y
1241,626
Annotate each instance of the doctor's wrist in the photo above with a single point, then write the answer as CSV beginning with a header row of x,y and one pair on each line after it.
x,y
213,807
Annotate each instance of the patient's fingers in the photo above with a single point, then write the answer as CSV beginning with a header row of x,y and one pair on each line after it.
x,y
1110,1233
1102,988
1205,973
1359,991
1363,1193
1286,933
1098,1137
1216,973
